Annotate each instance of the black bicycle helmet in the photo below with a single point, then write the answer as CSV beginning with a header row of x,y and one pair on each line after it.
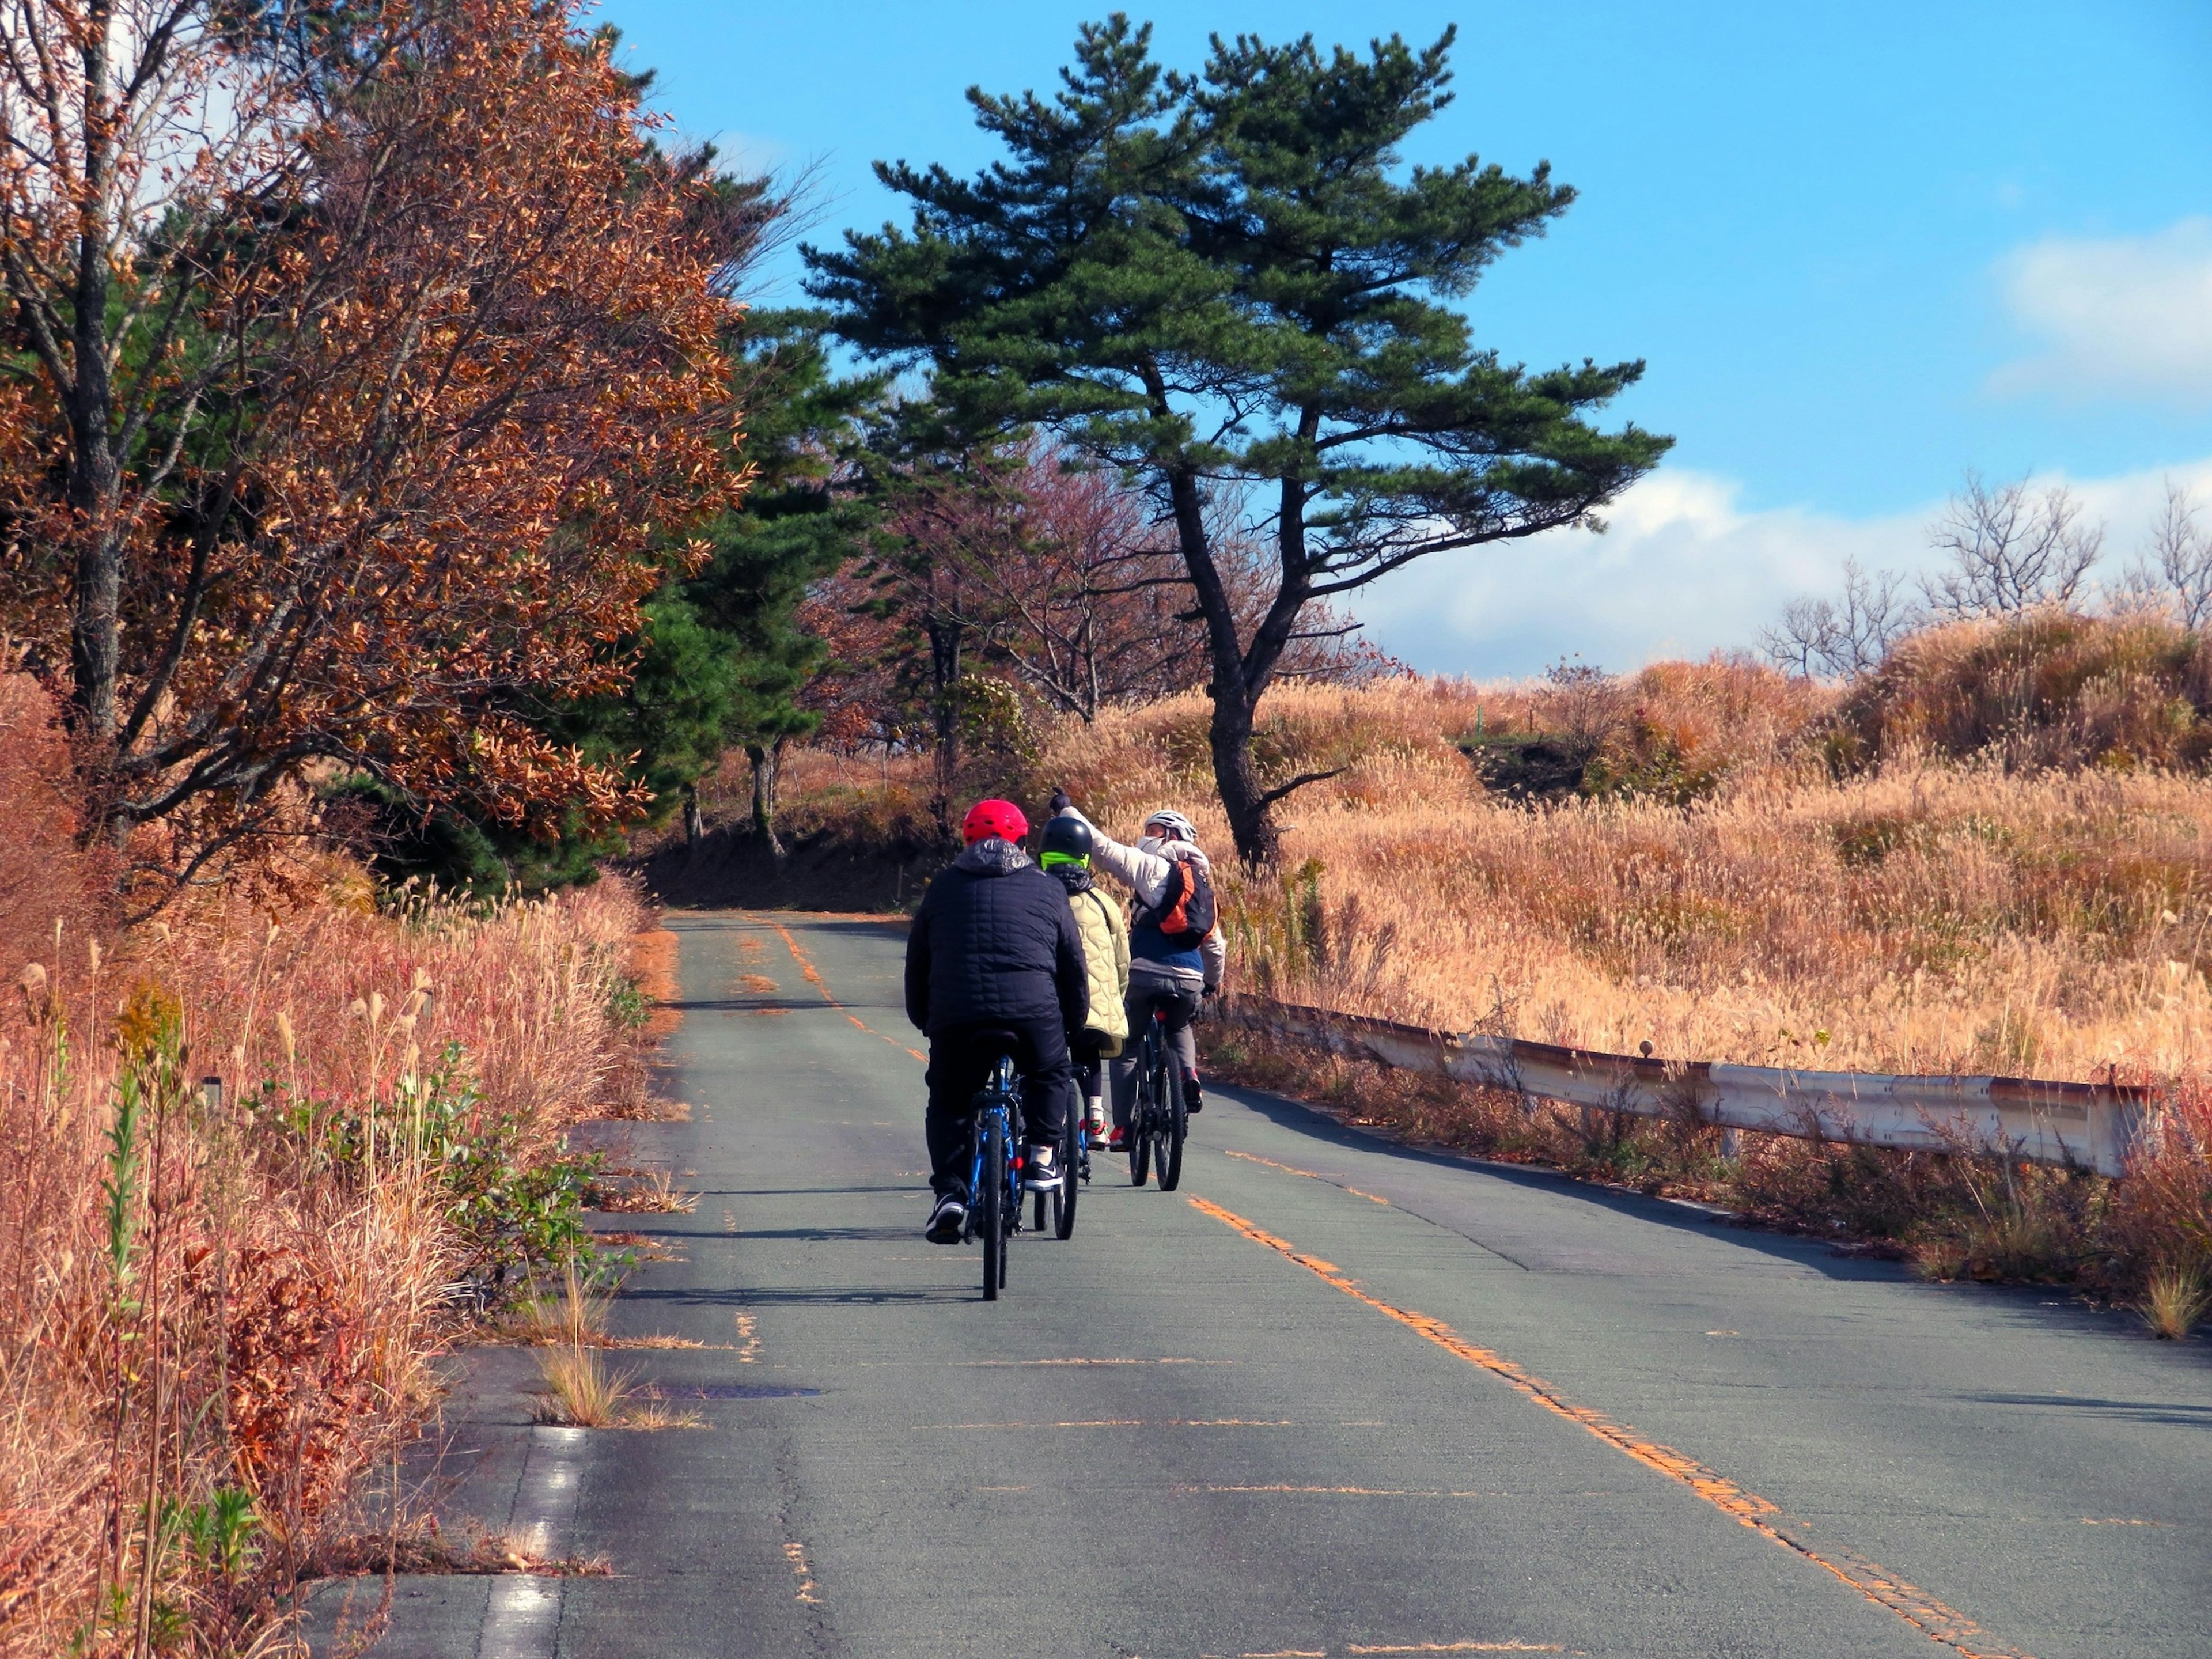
x,y
1068,834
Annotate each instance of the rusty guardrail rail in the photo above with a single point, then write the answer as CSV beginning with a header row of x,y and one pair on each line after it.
x,y
2090,1126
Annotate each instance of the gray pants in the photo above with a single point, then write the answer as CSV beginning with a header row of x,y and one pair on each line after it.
x,y
1180,1002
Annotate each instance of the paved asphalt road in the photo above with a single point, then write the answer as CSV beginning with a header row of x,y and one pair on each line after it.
x,y
1335,1397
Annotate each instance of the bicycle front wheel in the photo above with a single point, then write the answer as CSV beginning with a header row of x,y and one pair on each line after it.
x,y
990,1215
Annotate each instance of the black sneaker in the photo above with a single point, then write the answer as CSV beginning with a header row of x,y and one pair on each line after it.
x,y
947,1221
1041,1167
1193,1097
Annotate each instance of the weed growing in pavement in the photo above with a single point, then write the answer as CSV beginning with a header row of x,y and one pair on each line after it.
x,y
424,1547
650,1415
639,1192
569,1311
580,1389
2175,1296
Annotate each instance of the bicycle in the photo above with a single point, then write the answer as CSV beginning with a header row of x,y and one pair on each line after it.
x,y
994,1209
1157,1119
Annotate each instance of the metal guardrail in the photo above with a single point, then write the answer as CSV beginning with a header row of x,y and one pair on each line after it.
x,y
2090,1125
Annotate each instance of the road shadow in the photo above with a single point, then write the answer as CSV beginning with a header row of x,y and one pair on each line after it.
x,y
872,927
914,1185
2163,1412
858,1296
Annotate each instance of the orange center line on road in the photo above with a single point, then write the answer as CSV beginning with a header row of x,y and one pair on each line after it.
x,y
807,971
1918,1610
1310,1175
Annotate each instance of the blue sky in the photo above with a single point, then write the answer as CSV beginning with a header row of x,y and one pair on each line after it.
x,y
1861,247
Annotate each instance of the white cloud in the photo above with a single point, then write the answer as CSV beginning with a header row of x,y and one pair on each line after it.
x,y
1682,572
2126,317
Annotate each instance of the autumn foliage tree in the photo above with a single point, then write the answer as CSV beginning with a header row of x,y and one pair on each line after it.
x,y
366,356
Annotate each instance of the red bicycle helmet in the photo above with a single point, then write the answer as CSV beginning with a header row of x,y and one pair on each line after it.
x,y
1001,818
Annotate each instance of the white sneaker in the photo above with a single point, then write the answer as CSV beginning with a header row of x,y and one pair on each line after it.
x,y
1040,1168
947,1220
1094,1130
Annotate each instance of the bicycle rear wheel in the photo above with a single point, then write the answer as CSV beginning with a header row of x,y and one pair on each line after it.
x,y
990,1216
1063,1200
1175,1125
1012,1211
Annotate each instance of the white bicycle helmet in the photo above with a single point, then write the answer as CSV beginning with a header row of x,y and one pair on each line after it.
x,y
1172,826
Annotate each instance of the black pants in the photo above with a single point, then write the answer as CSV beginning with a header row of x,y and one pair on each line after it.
x,y
1087,1063
960,1061
1182,1007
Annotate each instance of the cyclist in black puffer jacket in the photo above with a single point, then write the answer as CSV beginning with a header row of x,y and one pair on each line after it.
x,y
994,947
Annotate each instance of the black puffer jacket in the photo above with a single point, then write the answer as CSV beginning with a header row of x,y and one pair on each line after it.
x,y
995,939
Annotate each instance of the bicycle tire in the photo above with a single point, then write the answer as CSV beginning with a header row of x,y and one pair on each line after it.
x,y
1168,1155
1063,1200
991,1222
1013,1213
1037,1217
1156,1120
1139,1131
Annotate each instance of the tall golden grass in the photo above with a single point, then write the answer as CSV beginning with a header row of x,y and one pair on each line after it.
x,y
1922,917
1995,912
231,1242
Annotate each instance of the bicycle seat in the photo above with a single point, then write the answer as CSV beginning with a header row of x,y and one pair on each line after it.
x,y
998,1039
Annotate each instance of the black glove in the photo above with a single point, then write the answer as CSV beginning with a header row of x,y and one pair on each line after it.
x,y
1061,802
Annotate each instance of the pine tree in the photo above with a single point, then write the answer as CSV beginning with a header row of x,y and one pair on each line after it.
x,y
1230,281
802,515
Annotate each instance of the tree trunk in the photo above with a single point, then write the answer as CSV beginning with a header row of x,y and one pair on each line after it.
x,y
767,763
1230,734
1251,816
695,824
94,485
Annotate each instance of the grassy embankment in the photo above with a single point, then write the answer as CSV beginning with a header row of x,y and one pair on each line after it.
x,y
220,1305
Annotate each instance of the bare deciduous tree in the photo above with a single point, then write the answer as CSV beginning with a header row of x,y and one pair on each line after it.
x,y
2010,551
1845,636
1093,603
2175,573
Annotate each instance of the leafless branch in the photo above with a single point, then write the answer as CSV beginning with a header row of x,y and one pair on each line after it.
x,y
2010,551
